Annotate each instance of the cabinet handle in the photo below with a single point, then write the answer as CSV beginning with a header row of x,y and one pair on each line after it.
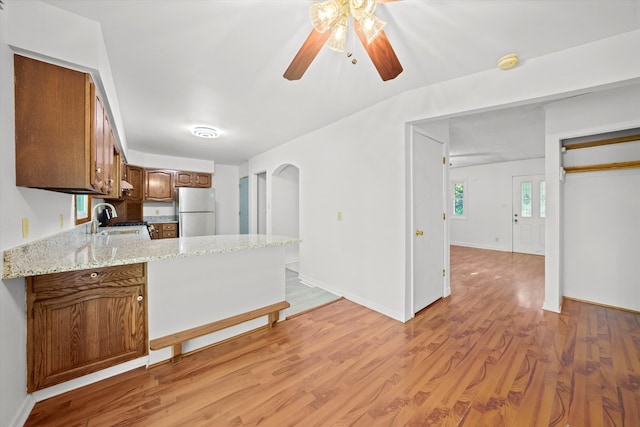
x,y
94,275
139,298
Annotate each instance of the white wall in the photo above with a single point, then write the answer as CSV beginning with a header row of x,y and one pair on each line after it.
x,y
226,182
356,166
148,160
488,203
285,202
599,237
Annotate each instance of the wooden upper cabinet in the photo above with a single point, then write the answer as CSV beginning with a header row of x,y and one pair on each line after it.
x,y
184,179
116,191
59,129
193,179
135,177
158,185
203,180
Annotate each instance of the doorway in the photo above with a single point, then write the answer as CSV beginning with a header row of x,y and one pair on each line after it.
x,y
261,203
285,207
529,194
428,219
244,205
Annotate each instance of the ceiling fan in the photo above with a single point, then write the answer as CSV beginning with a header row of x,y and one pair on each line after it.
x,y
330,21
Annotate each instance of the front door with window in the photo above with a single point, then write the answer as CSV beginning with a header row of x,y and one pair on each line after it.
x,y
528,214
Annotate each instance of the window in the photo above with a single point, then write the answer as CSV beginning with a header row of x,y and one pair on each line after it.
x,y
525,197
458,200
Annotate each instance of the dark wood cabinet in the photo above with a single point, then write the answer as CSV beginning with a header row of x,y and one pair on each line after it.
x,y
167,230
117,165
83,321
192,179
135,177
59,130
158,185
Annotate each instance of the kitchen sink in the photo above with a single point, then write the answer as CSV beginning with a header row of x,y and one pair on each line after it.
x,y
116,232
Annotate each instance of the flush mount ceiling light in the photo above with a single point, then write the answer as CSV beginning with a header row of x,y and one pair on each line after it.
x,y
205,132
330,20
507,62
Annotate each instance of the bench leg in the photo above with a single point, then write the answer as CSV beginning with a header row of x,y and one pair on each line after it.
x,y
177,353
274,316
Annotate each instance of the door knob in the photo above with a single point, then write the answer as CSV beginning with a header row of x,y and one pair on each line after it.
x,y
419,232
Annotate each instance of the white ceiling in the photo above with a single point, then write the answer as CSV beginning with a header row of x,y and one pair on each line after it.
x,y
179,63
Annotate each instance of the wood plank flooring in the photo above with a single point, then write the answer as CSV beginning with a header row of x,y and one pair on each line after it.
x,y
486,356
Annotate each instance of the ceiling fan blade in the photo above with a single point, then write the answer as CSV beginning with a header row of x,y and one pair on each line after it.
x,y
306,55
381,53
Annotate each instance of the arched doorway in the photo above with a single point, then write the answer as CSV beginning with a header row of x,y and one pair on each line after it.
x,y
285,207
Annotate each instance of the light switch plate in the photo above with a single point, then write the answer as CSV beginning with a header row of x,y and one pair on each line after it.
x,y
25,227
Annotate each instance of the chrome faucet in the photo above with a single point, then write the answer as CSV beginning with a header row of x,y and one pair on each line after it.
x,y
94,220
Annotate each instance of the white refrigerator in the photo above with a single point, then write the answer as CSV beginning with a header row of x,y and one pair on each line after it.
x,y
196,211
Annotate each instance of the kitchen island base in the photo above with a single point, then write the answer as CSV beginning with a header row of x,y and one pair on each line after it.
x,y
187,293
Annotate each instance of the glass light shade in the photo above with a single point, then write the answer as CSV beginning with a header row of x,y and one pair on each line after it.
x,y
360,9
338,38
372,26
324,14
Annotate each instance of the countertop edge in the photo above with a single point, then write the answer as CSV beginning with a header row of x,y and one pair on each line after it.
x,y
143,251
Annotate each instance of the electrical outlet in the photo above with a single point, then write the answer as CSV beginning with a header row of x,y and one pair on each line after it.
x,y
61,221
157,211
25,227
339,216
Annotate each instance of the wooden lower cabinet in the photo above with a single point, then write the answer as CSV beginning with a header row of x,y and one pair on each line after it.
x,y
83,321
166,230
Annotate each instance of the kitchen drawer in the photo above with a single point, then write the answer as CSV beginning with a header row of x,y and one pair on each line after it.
x,y
93,276
168,234
171,226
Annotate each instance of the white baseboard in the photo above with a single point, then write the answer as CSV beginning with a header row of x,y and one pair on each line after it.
x,y
23,413
89,379
552,307
354,298
481,246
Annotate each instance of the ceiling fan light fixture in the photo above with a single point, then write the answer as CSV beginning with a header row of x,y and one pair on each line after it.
x,y
324,15
338,38
372,26
205,132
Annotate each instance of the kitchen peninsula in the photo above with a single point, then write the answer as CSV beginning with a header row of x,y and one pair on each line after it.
x,y
179,284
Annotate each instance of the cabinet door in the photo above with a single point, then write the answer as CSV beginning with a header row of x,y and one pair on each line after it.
x,y
203,180
76,327
116,192
156,231
54,108
158,184
135,177
98,160
184,179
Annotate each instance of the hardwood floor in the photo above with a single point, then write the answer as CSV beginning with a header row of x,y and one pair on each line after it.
x,y
486,356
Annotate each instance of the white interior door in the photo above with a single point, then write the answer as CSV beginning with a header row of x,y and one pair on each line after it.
x,y
429,230
529,193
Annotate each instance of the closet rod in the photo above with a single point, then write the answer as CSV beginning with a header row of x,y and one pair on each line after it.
x,y
603,142
603,167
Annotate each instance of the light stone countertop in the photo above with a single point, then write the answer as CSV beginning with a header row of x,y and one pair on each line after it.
x,y
76,250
